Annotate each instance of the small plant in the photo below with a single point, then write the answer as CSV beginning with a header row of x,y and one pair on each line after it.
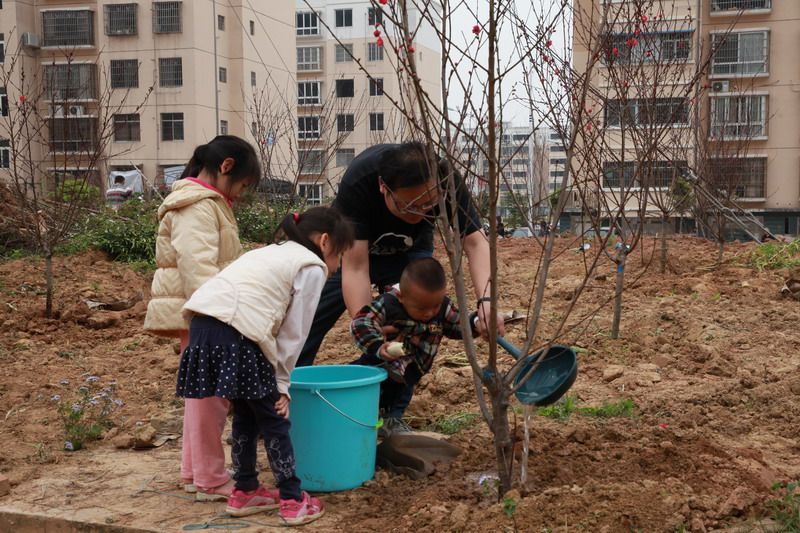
x,y
567,406
786,509
775,255
88,413
510,509
452,424
64,354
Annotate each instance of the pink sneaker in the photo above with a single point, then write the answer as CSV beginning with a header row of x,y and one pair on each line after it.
x,y
296,513
243,503
217,494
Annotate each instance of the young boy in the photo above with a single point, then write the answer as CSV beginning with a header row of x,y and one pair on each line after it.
x,y
422,314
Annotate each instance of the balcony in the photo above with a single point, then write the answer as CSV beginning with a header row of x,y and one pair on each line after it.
x,y
732,7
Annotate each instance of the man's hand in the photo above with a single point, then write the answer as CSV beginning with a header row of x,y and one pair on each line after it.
x,y
282,406
483,324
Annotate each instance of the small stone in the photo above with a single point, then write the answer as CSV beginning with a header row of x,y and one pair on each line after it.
x,y
666,445
122,442
176,347
171,422
102,321
612,372
5,485
577,435
382,478
697,525
460,515
144,436
111,433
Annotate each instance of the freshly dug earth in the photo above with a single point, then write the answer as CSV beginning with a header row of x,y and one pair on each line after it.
x,y
709,356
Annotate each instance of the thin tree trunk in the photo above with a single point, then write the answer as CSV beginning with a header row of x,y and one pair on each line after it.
x,y
621,257
48,269
503,443
663,244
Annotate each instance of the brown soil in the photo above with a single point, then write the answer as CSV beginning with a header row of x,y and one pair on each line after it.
x,y
709,356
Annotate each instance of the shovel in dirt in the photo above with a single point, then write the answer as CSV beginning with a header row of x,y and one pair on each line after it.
x,y
553,377
414,455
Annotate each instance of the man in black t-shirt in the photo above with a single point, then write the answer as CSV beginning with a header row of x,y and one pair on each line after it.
x,y
392,199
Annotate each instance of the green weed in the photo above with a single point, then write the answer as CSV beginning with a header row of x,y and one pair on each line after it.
x,y
567,406
775,255
451,424
87,413
786,509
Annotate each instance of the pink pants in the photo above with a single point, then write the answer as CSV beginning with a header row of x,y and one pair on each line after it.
x,y
203,459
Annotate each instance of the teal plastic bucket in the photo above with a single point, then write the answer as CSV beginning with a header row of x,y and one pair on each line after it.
x,y
334,416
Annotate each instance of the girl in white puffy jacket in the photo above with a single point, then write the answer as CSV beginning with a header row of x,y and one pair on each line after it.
x,y
248,324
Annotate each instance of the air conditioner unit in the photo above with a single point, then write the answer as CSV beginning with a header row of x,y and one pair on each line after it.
x,y
721,86
77,110
30,40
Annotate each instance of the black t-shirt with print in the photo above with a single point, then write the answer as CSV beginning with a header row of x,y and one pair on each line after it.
x,y
360,199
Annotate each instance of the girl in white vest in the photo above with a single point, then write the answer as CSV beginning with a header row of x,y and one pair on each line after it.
x,y
248,324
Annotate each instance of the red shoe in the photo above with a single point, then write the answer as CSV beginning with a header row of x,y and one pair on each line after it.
x,y
243,503
295,513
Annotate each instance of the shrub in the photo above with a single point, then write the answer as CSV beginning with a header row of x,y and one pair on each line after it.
x,y
776,255
258,220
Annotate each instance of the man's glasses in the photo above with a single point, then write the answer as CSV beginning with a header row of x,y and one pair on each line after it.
x,y
413,206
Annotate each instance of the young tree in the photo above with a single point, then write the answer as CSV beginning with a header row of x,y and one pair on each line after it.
x,y
58,125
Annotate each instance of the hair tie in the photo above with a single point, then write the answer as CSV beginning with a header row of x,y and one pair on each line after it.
x,y
296,217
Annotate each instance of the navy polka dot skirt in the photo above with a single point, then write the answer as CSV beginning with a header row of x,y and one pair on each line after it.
x,y
220,361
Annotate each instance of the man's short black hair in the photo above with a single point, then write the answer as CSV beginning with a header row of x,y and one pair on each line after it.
x,y
119,179
405,165
426,272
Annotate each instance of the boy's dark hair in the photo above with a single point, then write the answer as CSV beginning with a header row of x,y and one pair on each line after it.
x,y
299,228
209,157
426,272
119,179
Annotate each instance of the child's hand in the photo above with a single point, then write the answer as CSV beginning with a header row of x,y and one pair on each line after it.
x,y
282,406
391,351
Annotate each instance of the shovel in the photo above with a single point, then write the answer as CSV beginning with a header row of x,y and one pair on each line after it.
x,y
552,378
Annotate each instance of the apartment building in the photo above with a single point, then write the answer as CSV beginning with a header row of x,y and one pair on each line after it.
x,y
202,60
340,109
746,113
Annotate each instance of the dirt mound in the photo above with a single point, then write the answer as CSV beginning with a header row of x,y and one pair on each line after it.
x,y
709,356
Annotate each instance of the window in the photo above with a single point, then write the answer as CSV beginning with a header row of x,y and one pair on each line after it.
x,y
376,87
746,174
311,161
120,19
738,117
308,58
558,147
345,156
308,93
345,123
618,175
252,27
307,23
170,72
374,16
220,23
558,161
736,5
223,75
71,81
68,28
253,78
376,122
662,174
374,52
223,127
645,111
2,49
3,102
72,134
344,18
124,73
308,127
345,88
344,53
5,154
167,17
127,128
312,193
740,52
171,126
651,47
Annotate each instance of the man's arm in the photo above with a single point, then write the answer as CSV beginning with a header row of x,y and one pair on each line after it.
x,y
477,249
355,278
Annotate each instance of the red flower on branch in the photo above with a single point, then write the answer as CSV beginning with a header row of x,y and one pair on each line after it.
x,y
558,71
476,29
644,18
410,49
383,2
22,99
377,33
631,42
615,51
549,43
379,42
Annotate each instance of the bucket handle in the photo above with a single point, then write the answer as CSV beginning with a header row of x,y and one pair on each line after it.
x,y
377,425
